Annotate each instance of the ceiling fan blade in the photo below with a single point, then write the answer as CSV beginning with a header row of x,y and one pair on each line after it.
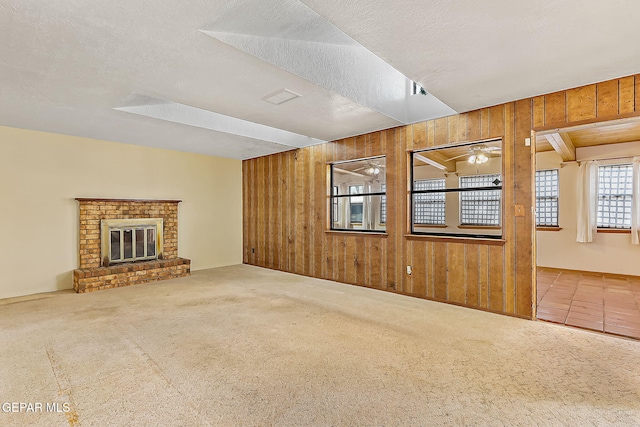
x,y
457,157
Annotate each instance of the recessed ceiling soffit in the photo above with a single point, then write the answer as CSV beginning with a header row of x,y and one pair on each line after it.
x,y
293,37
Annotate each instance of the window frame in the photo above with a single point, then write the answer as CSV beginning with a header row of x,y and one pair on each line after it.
x,y
412,191
336,197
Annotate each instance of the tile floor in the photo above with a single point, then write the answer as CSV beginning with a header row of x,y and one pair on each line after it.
x,y
600,302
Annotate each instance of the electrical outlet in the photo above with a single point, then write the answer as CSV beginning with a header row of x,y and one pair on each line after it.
x,y
409,270
253,250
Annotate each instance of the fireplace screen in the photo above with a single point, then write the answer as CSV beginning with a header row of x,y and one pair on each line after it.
x,y
128,240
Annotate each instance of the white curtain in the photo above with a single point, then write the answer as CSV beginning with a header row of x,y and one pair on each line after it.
x,y
367,208
635,203
344,207
587,201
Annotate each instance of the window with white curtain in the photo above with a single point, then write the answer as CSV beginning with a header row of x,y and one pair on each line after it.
x,y
615,184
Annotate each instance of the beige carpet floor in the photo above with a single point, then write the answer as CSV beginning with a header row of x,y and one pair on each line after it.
x,y
245,346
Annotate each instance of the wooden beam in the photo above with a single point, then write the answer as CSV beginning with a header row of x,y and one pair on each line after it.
x,y
561,142
348,172
436,160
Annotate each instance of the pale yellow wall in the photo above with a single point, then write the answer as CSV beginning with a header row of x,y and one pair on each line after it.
x,y
608,253
42,173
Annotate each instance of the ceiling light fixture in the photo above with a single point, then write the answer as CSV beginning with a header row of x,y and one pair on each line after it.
x,y
478,159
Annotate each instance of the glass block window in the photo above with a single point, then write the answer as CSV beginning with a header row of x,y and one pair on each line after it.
x,y
547,198
383,204
614,196
429,208
480,207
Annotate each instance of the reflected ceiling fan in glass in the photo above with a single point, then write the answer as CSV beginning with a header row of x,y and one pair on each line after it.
x,y
371,168
479,154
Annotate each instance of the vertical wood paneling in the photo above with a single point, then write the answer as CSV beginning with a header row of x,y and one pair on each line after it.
x,y
581,103
455,273
555,108
300,212
538,111
483,283
392,208
401,208
457,127
273,244
419,135
607,98
484,123
360,260
359,147
285,205
440,270
637,93
246,178
496,121
508,230
419,265
430,270
473,126
441,131
431,133
472,274
496,278
626,88
321,208
262,202
524,195
350,268
290,209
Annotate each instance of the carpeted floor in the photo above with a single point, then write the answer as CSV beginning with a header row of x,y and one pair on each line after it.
x,y
245,346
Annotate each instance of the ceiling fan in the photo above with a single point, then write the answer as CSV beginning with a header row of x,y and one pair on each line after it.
x,y
371,168
479,154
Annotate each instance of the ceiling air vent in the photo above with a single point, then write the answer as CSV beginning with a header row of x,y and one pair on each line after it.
x,y
281,96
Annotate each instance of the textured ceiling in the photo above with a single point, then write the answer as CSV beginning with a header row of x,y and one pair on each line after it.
x,y
73,66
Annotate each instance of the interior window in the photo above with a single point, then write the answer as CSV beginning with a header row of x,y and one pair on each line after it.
x,y
358,196
457,190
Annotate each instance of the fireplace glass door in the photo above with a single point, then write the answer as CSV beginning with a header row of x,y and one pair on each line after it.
x,y
132,243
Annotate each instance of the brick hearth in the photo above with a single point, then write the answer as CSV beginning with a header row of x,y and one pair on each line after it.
x,y
91,276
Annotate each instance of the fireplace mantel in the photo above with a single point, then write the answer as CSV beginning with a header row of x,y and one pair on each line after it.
x,y
93,275
91,199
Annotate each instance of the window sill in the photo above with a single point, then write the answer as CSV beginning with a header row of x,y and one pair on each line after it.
x,y
430,225
357,233
614,231
480,227
548,228
455,239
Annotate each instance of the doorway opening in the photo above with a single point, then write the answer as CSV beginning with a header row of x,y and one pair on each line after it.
x,y
587,270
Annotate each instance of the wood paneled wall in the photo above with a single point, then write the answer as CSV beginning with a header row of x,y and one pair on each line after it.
x,y
286,205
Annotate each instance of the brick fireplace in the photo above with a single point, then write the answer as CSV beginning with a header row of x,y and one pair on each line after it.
x,y
108,263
